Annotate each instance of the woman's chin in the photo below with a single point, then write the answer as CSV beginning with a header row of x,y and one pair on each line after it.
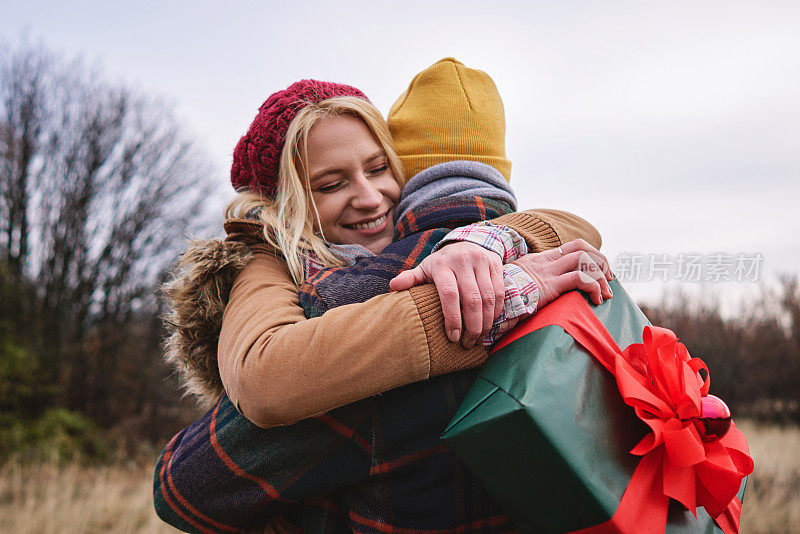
x,y
376,246
375,242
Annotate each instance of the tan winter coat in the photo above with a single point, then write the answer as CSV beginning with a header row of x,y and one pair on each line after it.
x,y
236,322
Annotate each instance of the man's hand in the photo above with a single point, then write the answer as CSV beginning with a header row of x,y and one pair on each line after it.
x,y
469,280
574,265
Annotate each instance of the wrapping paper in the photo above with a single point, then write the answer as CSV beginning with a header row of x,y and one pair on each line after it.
x,y
582,419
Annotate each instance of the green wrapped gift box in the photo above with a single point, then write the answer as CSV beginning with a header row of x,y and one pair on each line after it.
x,y
546,430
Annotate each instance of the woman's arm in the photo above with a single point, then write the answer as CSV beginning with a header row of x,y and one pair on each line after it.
x,y
277,367
545,229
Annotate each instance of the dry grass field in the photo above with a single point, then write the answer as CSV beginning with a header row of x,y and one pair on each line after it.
x,y
46,498
772,498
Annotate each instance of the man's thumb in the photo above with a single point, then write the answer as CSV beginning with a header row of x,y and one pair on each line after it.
x,y
404,280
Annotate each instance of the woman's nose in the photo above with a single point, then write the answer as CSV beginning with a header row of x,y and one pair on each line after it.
x,y
366,194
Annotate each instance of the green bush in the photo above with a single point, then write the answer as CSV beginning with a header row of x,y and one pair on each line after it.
x,y
57,435
22,390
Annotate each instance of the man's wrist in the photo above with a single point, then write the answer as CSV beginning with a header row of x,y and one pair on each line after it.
x,y
501,239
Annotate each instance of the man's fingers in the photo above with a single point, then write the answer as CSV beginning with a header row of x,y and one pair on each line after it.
x,y
471,307
578,245
447,287
588,264
488,301
569,262
592,287
602,262
407,279
584,262
579,280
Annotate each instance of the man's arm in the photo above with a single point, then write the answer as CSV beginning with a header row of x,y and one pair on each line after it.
x,y
218,475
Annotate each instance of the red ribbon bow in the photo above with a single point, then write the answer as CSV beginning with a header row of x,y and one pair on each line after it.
x,y
662,383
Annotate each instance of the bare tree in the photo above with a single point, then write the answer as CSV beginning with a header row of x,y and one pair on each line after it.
x,y
754,359
22,89
99,187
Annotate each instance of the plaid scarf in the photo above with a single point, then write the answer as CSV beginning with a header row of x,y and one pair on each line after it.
x,y
366,275
376,465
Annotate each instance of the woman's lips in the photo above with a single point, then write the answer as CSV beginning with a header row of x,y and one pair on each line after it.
x,y
373,224
372,227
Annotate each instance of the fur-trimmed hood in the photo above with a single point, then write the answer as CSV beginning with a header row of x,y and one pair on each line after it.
x,y
196,297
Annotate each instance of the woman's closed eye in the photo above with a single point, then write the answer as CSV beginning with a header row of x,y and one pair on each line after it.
x,y
331,187
378,170
335,185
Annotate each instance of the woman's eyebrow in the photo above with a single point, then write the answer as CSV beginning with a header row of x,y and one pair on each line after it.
x,y
376,155
322,174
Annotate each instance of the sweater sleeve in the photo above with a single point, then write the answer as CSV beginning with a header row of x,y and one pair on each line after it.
x,y
279,367
544,229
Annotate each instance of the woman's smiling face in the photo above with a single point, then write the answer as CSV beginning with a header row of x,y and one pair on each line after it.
x,y
352,185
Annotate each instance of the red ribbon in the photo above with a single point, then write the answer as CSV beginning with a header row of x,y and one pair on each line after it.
x,y
662,383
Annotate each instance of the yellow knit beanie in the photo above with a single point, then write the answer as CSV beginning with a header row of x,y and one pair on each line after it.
x,y
449,112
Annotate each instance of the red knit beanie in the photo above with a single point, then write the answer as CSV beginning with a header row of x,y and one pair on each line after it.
x,y
257,155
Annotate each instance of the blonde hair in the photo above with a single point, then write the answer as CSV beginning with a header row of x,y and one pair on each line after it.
x,y
287,223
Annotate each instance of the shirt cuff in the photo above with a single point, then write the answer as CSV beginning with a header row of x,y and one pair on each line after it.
x,y
521,300
498,238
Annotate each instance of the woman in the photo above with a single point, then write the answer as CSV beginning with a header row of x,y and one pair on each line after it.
x,y
401,336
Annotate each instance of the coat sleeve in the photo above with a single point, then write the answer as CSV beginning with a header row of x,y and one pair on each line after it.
x,y
279,367
218,476
544,229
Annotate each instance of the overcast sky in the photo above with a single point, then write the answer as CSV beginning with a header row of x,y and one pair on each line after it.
x,y
673,127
